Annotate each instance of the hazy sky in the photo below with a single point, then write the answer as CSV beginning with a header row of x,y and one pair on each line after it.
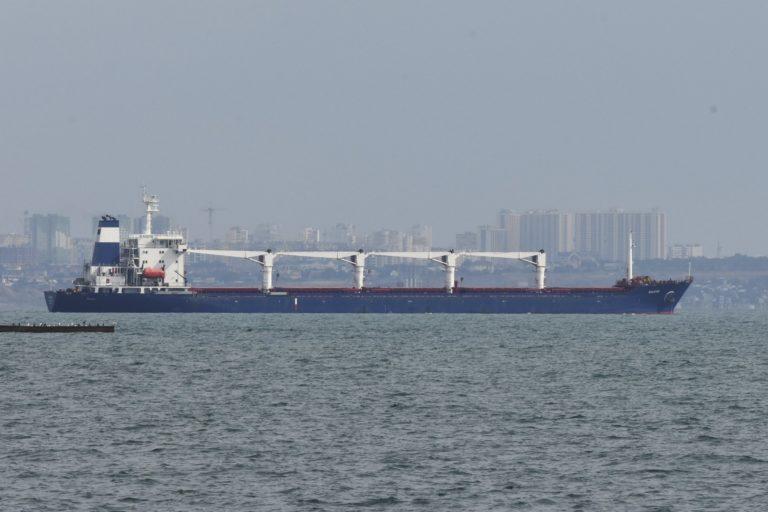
x,y
388,113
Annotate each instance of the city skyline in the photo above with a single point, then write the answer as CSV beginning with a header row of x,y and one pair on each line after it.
x,y
199,226
601,234
387,114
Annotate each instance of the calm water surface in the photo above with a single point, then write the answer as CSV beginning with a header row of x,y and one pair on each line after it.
x,y
389,412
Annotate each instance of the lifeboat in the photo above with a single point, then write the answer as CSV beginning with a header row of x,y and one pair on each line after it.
x,y
153,273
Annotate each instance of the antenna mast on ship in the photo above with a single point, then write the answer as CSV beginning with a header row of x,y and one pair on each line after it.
x,y
153,206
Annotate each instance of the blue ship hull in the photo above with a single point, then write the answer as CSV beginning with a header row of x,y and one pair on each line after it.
x,y
659,297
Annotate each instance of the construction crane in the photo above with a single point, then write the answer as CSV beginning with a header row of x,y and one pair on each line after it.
x,y
210,211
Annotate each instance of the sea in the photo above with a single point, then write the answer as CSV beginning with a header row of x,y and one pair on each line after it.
x,y
180,412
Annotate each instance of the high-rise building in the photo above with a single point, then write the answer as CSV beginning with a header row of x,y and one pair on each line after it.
x,y
685,251
13,240
386,240
407,244
552,231
421,238
49,238
14,249
492,238
606,234
344,235
310,236
82,249
467,241
265,233
236,237
510,221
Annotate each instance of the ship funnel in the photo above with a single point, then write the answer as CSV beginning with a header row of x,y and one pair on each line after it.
x,y
106,250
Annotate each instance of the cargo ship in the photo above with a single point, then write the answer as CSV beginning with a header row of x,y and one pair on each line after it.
x,y
147,274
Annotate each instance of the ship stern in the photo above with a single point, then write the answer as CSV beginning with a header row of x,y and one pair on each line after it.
x,y
50,300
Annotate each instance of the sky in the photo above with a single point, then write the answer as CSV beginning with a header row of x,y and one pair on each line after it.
x,y
386,114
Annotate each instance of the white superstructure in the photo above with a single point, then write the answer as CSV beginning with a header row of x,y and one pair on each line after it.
x,y
157,258
144,261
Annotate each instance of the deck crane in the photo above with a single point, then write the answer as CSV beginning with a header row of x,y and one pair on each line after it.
x,y
448,259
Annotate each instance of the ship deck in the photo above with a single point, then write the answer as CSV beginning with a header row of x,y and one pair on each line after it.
x,y
409,291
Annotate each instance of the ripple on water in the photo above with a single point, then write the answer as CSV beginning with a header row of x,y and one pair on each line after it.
x,y
387,412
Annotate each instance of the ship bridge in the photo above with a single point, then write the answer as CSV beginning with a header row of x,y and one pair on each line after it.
x,y
449,260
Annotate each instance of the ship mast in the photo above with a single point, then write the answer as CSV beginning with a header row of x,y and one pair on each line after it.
x,y
629,258
153,206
